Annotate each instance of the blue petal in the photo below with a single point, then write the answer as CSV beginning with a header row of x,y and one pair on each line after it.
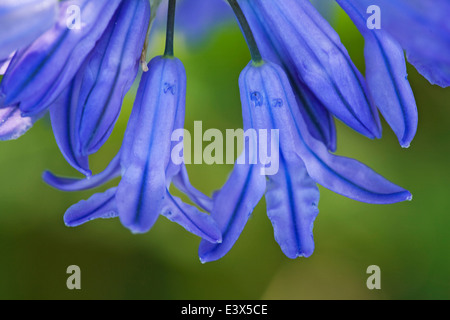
x,y
21,22
62,116
190,218
386,75
100,205
48,65
233,205
312,49
159,106
292,198
12,124
423,29
108,74
112,171
342,175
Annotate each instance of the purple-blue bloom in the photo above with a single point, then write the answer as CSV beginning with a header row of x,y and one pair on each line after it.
x,y
293,34
91,103
292,196
144,160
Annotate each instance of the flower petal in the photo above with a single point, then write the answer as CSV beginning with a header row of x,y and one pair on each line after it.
x,y
386,75
112,171
48,65
159,106
108,74
292,198
100,205
233,205
62,116
190,218
423,29
22,21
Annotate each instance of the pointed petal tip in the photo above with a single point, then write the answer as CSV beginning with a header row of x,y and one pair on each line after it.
x,y
409,197
405,145
214,237
300,254
203,261
208,252
205,258
136,230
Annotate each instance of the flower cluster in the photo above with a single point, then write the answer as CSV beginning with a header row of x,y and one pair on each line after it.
x,y
76,60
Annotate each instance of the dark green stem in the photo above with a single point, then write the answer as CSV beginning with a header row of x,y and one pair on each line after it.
x,y
248,34
170,28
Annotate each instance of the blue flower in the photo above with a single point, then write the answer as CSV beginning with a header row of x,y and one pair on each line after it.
x,y
84,115
268,103
294,35
145,163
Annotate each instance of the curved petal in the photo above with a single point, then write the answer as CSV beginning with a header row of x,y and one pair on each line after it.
x,y
423,29
99,206
292,198
112,171
386,76
108,74
146,151
190,218
233,205
62,117
22,21
48,65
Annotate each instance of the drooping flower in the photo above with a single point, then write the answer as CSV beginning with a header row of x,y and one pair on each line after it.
x,y
145,162
386,75
294,35
84,115
269,103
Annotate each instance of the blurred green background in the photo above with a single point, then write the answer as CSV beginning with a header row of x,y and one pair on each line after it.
x,y
409,241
